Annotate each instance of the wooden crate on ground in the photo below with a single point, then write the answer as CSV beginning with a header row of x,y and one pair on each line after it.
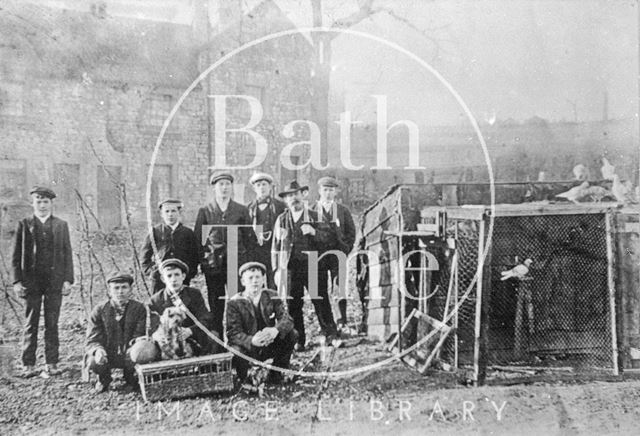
x,y
186,377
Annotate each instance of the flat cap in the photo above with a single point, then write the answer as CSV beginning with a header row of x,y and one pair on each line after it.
x,y
177,263
220,175
171,201
43,191
328,181
252,265
291,188
120,278
260,176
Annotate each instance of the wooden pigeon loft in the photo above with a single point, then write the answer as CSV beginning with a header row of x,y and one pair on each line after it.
x,y
566,309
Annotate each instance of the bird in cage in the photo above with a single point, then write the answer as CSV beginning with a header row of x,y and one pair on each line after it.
x,y
517,272
575,193
608,170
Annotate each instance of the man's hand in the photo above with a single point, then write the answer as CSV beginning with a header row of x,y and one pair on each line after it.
x,y
66,288
259,339
271,334
19,290
307,229
100,356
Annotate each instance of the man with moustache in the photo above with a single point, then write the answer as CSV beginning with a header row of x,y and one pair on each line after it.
x,y
340,223
294,234
264,211
215,253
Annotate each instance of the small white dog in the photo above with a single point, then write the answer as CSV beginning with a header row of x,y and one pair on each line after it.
x,y
171,336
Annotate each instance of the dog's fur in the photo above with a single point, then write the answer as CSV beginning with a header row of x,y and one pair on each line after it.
x,y
171,337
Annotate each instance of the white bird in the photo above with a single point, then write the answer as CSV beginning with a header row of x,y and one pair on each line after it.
x,y
518,271
608,170
575,193
580,172
619,190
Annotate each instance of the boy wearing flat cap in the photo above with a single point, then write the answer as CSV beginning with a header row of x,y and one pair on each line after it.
x,y
42,265
176,294
264,211
172,240
340,223
112,326
258,324
214,250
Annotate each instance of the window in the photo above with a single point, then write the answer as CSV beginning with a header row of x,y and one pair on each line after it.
x,y
13,179
161,183
66,181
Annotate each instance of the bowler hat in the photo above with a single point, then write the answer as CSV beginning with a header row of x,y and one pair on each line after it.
x,y
171,201
220,175
43,191
291,188
252,265
260,176
177,263
120,278
328,181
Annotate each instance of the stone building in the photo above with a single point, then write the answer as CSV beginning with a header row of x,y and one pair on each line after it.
x,y
84,96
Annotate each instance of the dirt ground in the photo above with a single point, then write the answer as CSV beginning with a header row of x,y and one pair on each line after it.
x,y
390,400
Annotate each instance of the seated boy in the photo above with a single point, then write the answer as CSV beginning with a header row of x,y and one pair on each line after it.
x,y
175,293
112,326
258,325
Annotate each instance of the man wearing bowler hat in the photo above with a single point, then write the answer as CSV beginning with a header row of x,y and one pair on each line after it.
x,y
295,233
173,240
42,265
216,249
264,211
340,223
112,327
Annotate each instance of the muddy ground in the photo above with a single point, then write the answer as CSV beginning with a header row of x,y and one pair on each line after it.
x,y
393,399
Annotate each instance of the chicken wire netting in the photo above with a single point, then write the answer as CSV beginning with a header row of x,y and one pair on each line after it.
x,y
557,316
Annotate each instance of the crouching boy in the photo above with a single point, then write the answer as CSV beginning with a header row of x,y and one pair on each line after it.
x,y
258,324
112,326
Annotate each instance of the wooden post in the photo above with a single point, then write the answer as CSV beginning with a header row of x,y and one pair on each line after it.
x,y
400,273
478,318
612,292
455,303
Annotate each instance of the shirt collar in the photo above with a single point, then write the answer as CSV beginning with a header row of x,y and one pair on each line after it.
x,y
43,220
297,214
173,227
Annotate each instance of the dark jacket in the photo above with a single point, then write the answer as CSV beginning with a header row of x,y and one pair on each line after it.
x,y
192,299
103,329
24,258
284,241
179,244
343,227
213,255
242,323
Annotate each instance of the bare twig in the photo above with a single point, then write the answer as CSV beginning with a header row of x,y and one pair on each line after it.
x,y
85,206
81,290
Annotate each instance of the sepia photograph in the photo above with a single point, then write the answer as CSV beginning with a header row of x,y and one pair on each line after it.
x,y
331,217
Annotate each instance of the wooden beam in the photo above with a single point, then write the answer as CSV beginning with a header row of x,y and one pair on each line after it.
x,y
612,293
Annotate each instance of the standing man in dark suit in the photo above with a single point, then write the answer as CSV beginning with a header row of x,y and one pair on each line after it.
x,y
296,232
217,251
264,211
42,272
173,241
343,230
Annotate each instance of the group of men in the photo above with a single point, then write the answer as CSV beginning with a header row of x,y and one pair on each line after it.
x,y
250,257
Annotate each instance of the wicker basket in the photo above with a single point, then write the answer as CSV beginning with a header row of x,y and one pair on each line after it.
x,y
186,377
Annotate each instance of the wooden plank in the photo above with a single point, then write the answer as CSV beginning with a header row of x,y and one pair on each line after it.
x,y
478,308
612,294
